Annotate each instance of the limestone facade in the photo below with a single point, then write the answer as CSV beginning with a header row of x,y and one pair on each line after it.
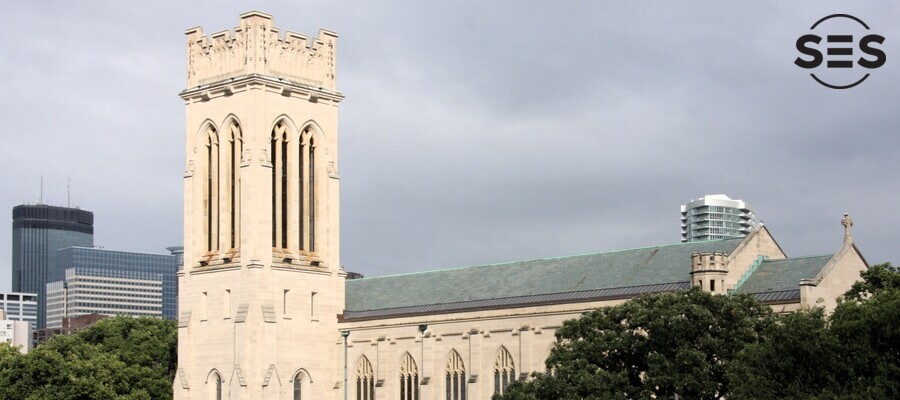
x,y
265,311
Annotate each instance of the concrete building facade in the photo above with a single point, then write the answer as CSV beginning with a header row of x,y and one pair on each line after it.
x,y
716,216
265,311
109,292
38,232
20,307
92,261
16,333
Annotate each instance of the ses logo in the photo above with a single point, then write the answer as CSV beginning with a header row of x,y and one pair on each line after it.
x,y
843,35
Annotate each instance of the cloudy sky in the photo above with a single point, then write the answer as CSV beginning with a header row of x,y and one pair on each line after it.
x,y
477,132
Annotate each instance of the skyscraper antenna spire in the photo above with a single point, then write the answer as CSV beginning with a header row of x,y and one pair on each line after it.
x,y
69,192
41,198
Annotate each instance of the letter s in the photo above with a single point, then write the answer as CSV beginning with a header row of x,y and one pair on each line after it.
x,y
880,57
815,54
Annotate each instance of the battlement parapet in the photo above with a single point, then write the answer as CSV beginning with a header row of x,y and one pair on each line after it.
x,y
255,47
709,262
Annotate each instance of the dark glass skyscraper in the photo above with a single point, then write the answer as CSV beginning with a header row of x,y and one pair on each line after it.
x,y
38,232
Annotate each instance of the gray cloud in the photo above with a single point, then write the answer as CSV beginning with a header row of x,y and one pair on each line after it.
x,y
477,132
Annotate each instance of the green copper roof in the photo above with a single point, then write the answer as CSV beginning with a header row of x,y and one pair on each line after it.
x,y
614,269
778,275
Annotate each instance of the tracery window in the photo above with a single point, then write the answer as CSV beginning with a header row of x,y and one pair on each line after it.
x,y
504,371
293,188
409,378
455,377
365,380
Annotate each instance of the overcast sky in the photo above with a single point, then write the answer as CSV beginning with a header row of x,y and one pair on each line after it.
x,y
477,132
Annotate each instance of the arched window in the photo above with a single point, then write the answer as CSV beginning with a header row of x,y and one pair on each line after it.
x,y
311,201
455,377
216,391
504,371
306,190
409,378
365,380
280,169
230,160
298,386
211,190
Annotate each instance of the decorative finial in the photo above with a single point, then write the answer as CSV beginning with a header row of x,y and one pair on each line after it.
x,y
847,222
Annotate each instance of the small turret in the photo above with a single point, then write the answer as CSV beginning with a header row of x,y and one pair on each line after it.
x,y
708,271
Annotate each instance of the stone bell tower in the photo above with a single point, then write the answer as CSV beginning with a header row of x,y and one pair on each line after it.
x,y
262,283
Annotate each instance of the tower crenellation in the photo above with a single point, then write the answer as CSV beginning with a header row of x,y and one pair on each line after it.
x,y
256,47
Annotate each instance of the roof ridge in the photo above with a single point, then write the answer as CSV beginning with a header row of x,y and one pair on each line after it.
x,y
546,258
799,258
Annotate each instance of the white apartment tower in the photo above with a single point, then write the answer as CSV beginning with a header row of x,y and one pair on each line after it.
x,y
716,216
262,284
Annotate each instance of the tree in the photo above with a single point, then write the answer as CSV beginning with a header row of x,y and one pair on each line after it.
x,y
867,323
797,358
653,346
116,358
853,353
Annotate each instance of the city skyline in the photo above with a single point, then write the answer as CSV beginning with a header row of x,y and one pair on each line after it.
x,y
524,142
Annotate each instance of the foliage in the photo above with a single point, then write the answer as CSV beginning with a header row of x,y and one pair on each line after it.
x,y
867,323
653,346
116,358
797,358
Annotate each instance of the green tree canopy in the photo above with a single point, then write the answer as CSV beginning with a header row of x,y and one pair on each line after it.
x,y
654,346
116,358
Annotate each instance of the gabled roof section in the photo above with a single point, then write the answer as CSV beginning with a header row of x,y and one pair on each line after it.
x,y
648,266
783,275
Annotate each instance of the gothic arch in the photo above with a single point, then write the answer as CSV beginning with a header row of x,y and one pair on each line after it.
x,y
455,377
303,373
503,371
211,372
297,381
409,377
314,127
365,379
288,122
200,137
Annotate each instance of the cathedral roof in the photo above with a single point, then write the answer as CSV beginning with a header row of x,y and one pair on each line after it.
x,y
587,277
779,279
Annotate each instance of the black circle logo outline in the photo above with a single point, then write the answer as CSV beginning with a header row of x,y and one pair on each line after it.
x,y
823,83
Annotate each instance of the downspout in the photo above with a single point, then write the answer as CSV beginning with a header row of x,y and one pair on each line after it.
x,y
344,334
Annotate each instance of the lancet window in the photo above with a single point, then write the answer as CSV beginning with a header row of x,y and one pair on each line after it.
x,y
230,161
409,378
455,377
504,371
298,386
280,171
211,189
365,380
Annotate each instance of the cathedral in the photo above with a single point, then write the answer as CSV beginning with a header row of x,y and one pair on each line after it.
x,y
266,311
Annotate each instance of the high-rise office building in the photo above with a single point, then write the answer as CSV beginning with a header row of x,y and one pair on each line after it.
x,y
716,217
88,291
102,266
20,307
38,232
